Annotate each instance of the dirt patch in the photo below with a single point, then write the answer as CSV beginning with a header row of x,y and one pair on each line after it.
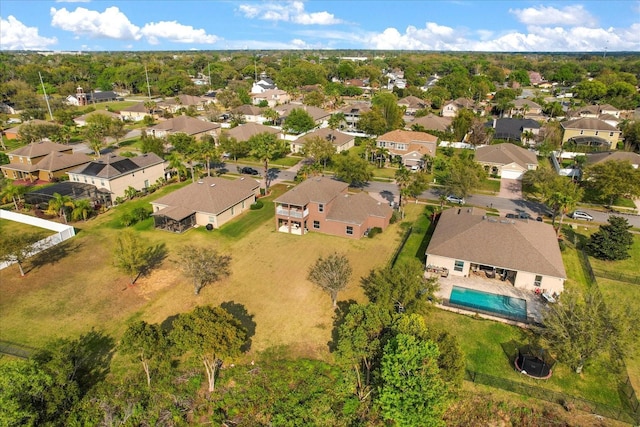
x,y
156,281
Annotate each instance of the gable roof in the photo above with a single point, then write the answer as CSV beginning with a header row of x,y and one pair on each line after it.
x,y
520,102
186,124
506,153
634,158
336,137
247,110
316,113
356,108
39,149
211,195
247,130
408,136
432,122
412,102
136,108
462,103
110,166
468,234
184,100
316,189
589,123
356,208
56,161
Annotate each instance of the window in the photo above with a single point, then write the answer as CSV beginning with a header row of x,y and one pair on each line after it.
x,y
102,182
538,281
146,183
92,181
232,210
321,208
349,230
581,132
316,225
243,204
458,266
610,133
596,133
402,147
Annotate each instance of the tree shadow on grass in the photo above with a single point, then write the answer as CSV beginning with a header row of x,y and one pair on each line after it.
x,y
53,254
167,324
154,256
240,312
338,320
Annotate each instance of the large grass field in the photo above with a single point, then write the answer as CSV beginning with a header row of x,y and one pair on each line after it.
x,y
79,288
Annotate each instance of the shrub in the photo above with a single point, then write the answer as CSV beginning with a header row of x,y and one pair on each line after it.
x,y
140,213
374,231
394,217
257,205
127,220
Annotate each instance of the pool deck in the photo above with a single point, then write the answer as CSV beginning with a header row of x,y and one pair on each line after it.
x,y
535,304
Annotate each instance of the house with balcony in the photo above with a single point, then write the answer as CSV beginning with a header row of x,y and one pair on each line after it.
x,y
324,205
352,113
411,146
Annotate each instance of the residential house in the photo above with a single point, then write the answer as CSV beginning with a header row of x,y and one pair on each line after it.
x,y
263,85
591,132
82,120
185,124
341,141
523,253
113,174
525,108
411,146
272,97
135,113
247,130
451,108
596,111
506,160
323,205
627,156
42,161
520,130
319,116
209,202
412,104
82,98
251,113
535,78
14,132
174,105
430,122
352,113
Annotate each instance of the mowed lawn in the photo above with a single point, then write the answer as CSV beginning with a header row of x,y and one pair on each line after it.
x,y
80,289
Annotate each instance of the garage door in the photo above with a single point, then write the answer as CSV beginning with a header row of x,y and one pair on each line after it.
x,y
511,174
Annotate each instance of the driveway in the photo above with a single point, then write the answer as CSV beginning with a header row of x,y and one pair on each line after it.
x,y
510,189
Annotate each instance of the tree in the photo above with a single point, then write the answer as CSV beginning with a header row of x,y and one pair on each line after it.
x,y
152,144
336,120
148,343
478,133
22,385
464,176
411,390
265,147
208,151
352,169
234,147
613,179
332,274
18,248
403,179
176,164
59,205
134,256
386,104
360,341
590,91
98,128
461,123
212,334
580,327
298,121
401,288
372,123
271,115
319,149
203,266
13,192
612,241
82,209
631,134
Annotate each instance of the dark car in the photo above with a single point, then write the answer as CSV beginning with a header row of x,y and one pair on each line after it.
x,y
249,171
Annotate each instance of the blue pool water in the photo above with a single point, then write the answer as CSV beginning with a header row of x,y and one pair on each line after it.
x,y
502,305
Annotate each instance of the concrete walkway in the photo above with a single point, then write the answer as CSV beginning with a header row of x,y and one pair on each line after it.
x,y
510,189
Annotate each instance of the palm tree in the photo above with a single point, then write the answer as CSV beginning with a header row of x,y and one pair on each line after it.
x,y
271,115
208,151
336,120
564,201
82,208
403,178
59,204
176,164
13,193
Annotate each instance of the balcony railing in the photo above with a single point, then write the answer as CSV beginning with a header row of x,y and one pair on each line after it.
x,y
294,213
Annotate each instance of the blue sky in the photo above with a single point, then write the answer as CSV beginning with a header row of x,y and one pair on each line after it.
x,y
457,25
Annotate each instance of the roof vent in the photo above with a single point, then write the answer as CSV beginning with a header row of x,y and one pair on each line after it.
x,y
242,179
200,182
212,185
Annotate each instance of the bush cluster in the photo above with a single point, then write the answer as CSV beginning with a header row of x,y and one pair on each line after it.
x,y
135,216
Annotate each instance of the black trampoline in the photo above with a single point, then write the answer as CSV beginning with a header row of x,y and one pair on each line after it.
x,y
534,362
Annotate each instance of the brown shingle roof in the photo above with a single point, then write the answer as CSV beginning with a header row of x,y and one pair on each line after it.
x,y
506,153
316,113
407,136
467,234
634,158
56,161
336,137
247,130
186,124
247,110
356,208
432,122
588,123
210,195
412,102
136,108
317,189
39,149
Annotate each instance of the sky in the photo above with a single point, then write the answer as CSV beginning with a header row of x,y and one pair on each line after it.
x,y
434,25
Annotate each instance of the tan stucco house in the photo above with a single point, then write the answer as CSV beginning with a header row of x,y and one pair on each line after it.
x,y
187,125
506,160
410,145
592,132
42,161
341,141
208,202
522,253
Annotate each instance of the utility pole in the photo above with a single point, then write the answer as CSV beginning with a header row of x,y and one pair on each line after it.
x,y
146,73
209,67
46,98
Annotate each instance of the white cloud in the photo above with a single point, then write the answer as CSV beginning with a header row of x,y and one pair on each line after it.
x,y
176,32
111,23
568,16
14,35
291,11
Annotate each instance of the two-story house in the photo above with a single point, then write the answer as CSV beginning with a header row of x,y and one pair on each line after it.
x,y
352,113
272,97
591,132
341,141
324,205
411,146
42,161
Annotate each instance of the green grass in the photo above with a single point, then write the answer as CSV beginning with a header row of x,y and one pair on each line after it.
x,y
416,243
252,219
490,185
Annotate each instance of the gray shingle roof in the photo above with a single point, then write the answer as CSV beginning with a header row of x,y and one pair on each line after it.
x,y
634,158
467,234
590,124
111,166
247,130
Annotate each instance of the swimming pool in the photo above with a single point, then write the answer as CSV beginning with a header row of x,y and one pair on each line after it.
x,y
501,305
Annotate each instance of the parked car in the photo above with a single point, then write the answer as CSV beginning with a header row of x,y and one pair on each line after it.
x,y
455,199
581,215
249,171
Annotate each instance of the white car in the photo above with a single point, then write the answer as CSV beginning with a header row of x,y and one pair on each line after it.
x,y
455,199
581,215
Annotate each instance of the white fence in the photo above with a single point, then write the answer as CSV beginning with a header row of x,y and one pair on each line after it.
x,y
63,232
